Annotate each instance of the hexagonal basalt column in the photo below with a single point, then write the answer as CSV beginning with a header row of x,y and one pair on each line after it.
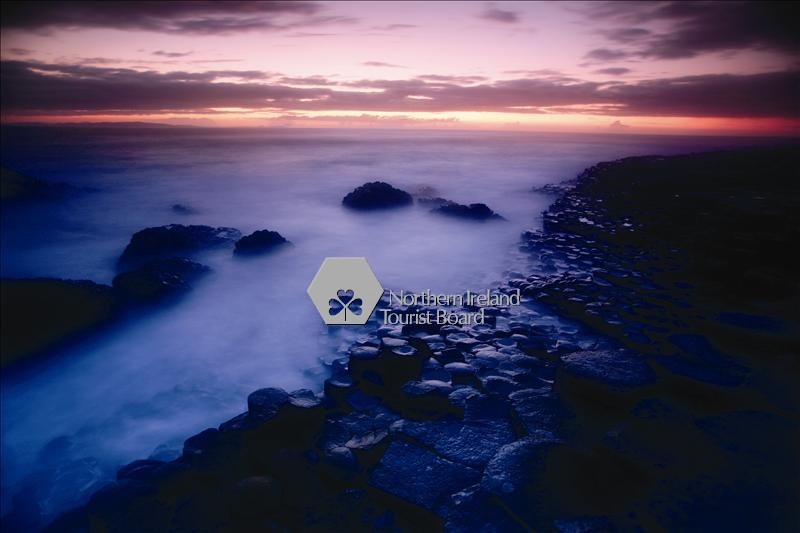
x,y
345,290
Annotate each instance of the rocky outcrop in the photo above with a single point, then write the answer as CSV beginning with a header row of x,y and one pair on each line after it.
x,y
17,187
174,240
376,195
259,242
41,314
158,279
479,212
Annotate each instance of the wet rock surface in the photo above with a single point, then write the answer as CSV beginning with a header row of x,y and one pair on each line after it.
x,y
376,195
479,212
259,242
159,279
613,399
40,314
173,240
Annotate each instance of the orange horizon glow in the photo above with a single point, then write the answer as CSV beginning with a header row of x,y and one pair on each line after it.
x,y
538,66
489,121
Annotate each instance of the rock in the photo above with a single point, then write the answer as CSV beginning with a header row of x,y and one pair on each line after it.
x,y
304,399
433,201
259,242
40,314
264,404
182,209
376,195
343,457
15,186
198,444
159,279
420,477
472,441
471,212
174,239
554,189
511,467
615,368
364,352
139,469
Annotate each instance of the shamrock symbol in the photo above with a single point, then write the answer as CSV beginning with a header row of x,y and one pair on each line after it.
x,y
344,300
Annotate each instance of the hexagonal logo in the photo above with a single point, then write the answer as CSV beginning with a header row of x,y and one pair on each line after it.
x,y
345,290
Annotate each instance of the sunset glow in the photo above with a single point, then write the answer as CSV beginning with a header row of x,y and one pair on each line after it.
x,y
593,67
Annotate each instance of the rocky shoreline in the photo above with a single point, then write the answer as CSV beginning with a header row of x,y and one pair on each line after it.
x,y
646,383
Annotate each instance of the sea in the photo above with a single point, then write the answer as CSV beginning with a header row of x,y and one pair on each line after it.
x,y
140,389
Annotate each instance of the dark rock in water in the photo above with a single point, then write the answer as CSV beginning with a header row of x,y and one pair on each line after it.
x,y
182,209
259,242
174,239
159,279
418,476
433,201
471,211
551,188
376,195
15,186
38,314
264,404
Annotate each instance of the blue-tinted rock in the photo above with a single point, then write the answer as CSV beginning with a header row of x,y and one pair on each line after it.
x,y
264,404
478,212
174,240
304,398
376,195
420,477
159,279
511,468
259,242
616,368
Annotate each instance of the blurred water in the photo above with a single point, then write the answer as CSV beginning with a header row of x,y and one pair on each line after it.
x,y
179,370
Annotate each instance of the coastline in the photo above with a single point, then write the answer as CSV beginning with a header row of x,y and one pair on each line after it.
x,y
468,427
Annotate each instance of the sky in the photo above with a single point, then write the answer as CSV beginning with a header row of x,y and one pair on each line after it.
x,y
649,67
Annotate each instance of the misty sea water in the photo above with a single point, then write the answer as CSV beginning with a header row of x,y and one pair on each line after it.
x,y
145,386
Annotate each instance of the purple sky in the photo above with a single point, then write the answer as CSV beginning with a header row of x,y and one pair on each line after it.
x,y
704,67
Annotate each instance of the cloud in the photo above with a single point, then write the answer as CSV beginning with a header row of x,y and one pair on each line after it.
x,y
381,64
199,17
613,71
605,54
688,29
617,125
40,88
394,27
162,53
627,35
499,15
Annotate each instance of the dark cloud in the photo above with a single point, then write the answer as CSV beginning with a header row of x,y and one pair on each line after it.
x,y
381,64
162,53
605,54
196,17
499,15
307,80
462,80
688,29
613,71
33,88
627,35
